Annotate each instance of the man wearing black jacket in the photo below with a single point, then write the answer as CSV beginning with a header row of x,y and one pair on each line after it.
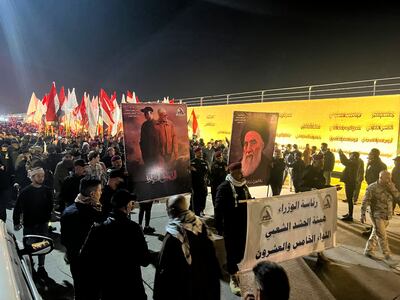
x,y
70,186
76,221
349,177
231,219
111,249
35,204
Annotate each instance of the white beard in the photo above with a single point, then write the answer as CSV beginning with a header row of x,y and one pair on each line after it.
x,y
250,163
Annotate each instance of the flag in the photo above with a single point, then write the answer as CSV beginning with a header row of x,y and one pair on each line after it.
x,y
71,102
33,103
172,101
137,99
129,97
83,110
92,114
106,108
51,112
61,98
123,99
193,124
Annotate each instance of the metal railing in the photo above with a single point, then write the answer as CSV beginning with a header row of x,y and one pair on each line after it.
x,y
372,87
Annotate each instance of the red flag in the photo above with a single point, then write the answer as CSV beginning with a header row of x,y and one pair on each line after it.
x,y
61,97
172,101
195,125
51,114
82,110
137,99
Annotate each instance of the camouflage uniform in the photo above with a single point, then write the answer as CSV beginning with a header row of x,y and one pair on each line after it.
x,y
380,200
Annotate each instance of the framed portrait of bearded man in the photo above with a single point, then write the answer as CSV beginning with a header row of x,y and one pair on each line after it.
x,y
252,144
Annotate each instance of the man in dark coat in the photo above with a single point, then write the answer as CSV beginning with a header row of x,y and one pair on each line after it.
x,y
70,186
349,177
374,166
115,181
231,219
148,138
278,167
217,174
76,221
329,163
200,171
113,253
188,267
35,204
313,176
298,167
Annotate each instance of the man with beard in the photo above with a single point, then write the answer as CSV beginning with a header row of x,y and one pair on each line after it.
x,y
231,219
167,143
254,164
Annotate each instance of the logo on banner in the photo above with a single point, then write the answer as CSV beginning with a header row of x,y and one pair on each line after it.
x,y
266,215
180,112
327,201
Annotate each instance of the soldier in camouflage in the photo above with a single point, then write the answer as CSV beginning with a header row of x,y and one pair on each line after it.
x,y
379,196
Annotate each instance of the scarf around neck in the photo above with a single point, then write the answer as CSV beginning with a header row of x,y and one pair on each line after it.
x,y
177,227
233,182
88,201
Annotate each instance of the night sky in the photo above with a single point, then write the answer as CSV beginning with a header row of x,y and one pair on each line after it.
x,y
190,48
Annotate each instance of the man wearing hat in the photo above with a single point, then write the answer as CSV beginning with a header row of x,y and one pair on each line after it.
x,y
200,172
148,138
35,204
231,219
217,174
70,186
115,181
112,248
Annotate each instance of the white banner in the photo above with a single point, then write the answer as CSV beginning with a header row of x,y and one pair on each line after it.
x,y
289,226
285,227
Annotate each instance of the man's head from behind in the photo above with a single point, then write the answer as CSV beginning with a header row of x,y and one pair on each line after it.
x,y
116,179
272,281
176,205
90,187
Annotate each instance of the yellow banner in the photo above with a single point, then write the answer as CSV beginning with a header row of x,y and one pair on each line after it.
x,y
350,124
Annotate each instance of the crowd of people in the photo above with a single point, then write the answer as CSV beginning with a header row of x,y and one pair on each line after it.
x,y
84,183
